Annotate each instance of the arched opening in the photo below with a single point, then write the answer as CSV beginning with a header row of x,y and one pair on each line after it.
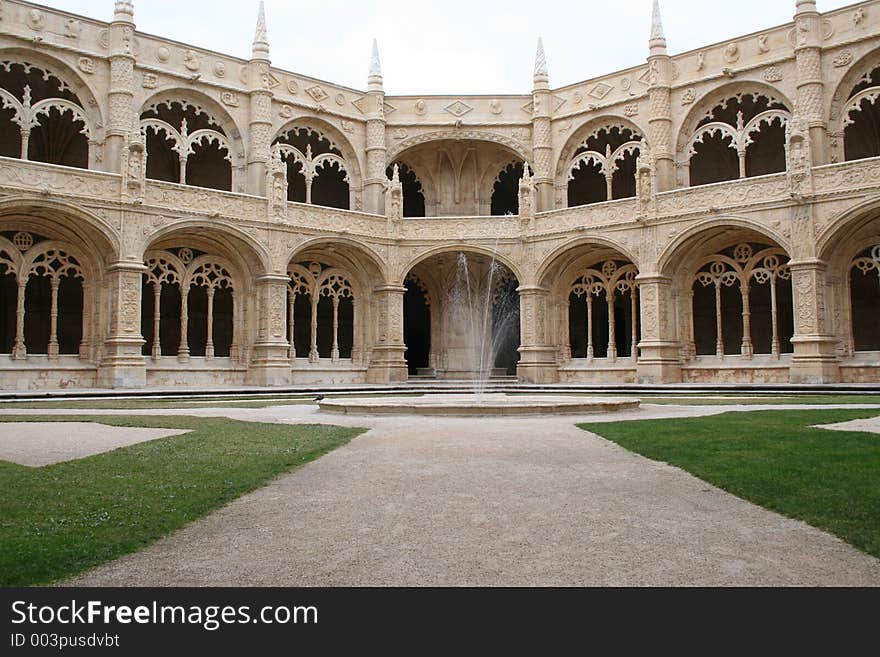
x,y
741,302
413,197
471,327
42,297
505,194
188,305
186,145
865,299
316,170
861,118
320,312
464,177
603,167
42,119
417,325
743,136
603,311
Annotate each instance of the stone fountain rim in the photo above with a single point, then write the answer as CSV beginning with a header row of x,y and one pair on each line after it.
x,y
476,405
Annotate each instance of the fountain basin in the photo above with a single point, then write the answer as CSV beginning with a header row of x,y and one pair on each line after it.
x,y
477,405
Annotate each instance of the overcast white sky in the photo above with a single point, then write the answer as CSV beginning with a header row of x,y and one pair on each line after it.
x,y
449,46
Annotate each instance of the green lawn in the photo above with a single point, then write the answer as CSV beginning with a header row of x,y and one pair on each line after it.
x,y
776,459
62,519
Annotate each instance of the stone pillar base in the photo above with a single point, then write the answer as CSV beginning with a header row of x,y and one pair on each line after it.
x,y
815,360
270,365
537,365
123,366
659,363
388,365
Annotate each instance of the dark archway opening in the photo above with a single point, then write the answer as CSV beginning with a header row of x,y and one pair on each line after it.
x,y
330,187
715,160
506,326
413,196
8,306
505,194
197,320
302,325
865,298
416,327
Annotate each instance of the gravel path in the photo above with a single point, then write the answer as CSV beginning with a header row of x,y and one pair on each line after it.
x,y
486,502
37,444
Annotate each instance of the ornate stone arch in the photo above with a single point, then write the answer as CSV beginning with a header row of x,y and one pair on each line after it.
x,y
843,103
234,138
252,256
69,221
353,165
553,259
584,131
682,243
363,259
517,270
714,97
847,225
522,150
65,73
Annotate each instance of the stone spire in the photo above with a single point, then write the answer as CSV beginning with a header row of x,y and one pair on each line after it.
x,y
124,11
261,38
374,80
805,7
657,42
541,74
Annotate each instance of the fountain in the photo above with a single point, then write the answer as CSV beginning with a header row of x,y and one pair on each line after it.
x,y
480,319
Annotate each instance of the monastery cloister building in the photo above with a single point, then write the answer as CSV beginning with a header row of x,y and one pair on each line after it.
x,y
171,216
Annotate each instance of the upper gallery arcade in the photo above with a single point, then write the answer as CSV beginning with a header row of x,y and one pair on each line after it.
x,y
175,216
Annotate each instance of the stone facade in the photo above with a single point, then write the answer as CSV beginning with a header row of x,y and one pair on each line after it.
x,y
724,222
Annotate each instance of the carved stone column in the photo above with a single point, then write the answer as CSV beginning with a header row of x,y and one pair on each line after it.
x,y
660,360
811,88
375,180
120,114
660,95
270,364
260,125
815,358
537,362
123,365
388,363
542,136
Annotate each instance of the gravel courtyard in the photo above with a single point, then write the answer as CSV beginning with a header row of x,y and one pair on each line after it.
x,y
486,502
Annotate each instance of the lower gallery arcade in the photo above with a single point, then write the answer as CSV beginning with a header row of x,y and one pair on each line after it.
x,y
211,313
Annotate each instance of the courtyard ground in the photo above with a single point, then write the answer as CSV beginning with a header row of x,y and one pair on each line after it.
x,y
486,502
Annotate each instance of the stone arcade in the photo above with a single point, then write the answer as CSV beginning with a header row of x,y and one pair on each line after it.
x,y
171,216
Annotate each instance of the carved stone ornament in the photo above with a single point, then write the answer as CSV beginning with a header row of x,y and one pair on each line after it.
x,y
458,108
347,126
420,107
858,16
36,20
773,74
689,96
731,53
495,107
151,81
163,54
292,87
72,28
220,69
229,99
86,65
843,59
285,112
631,109
340,99
763,46
191,60
317,93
